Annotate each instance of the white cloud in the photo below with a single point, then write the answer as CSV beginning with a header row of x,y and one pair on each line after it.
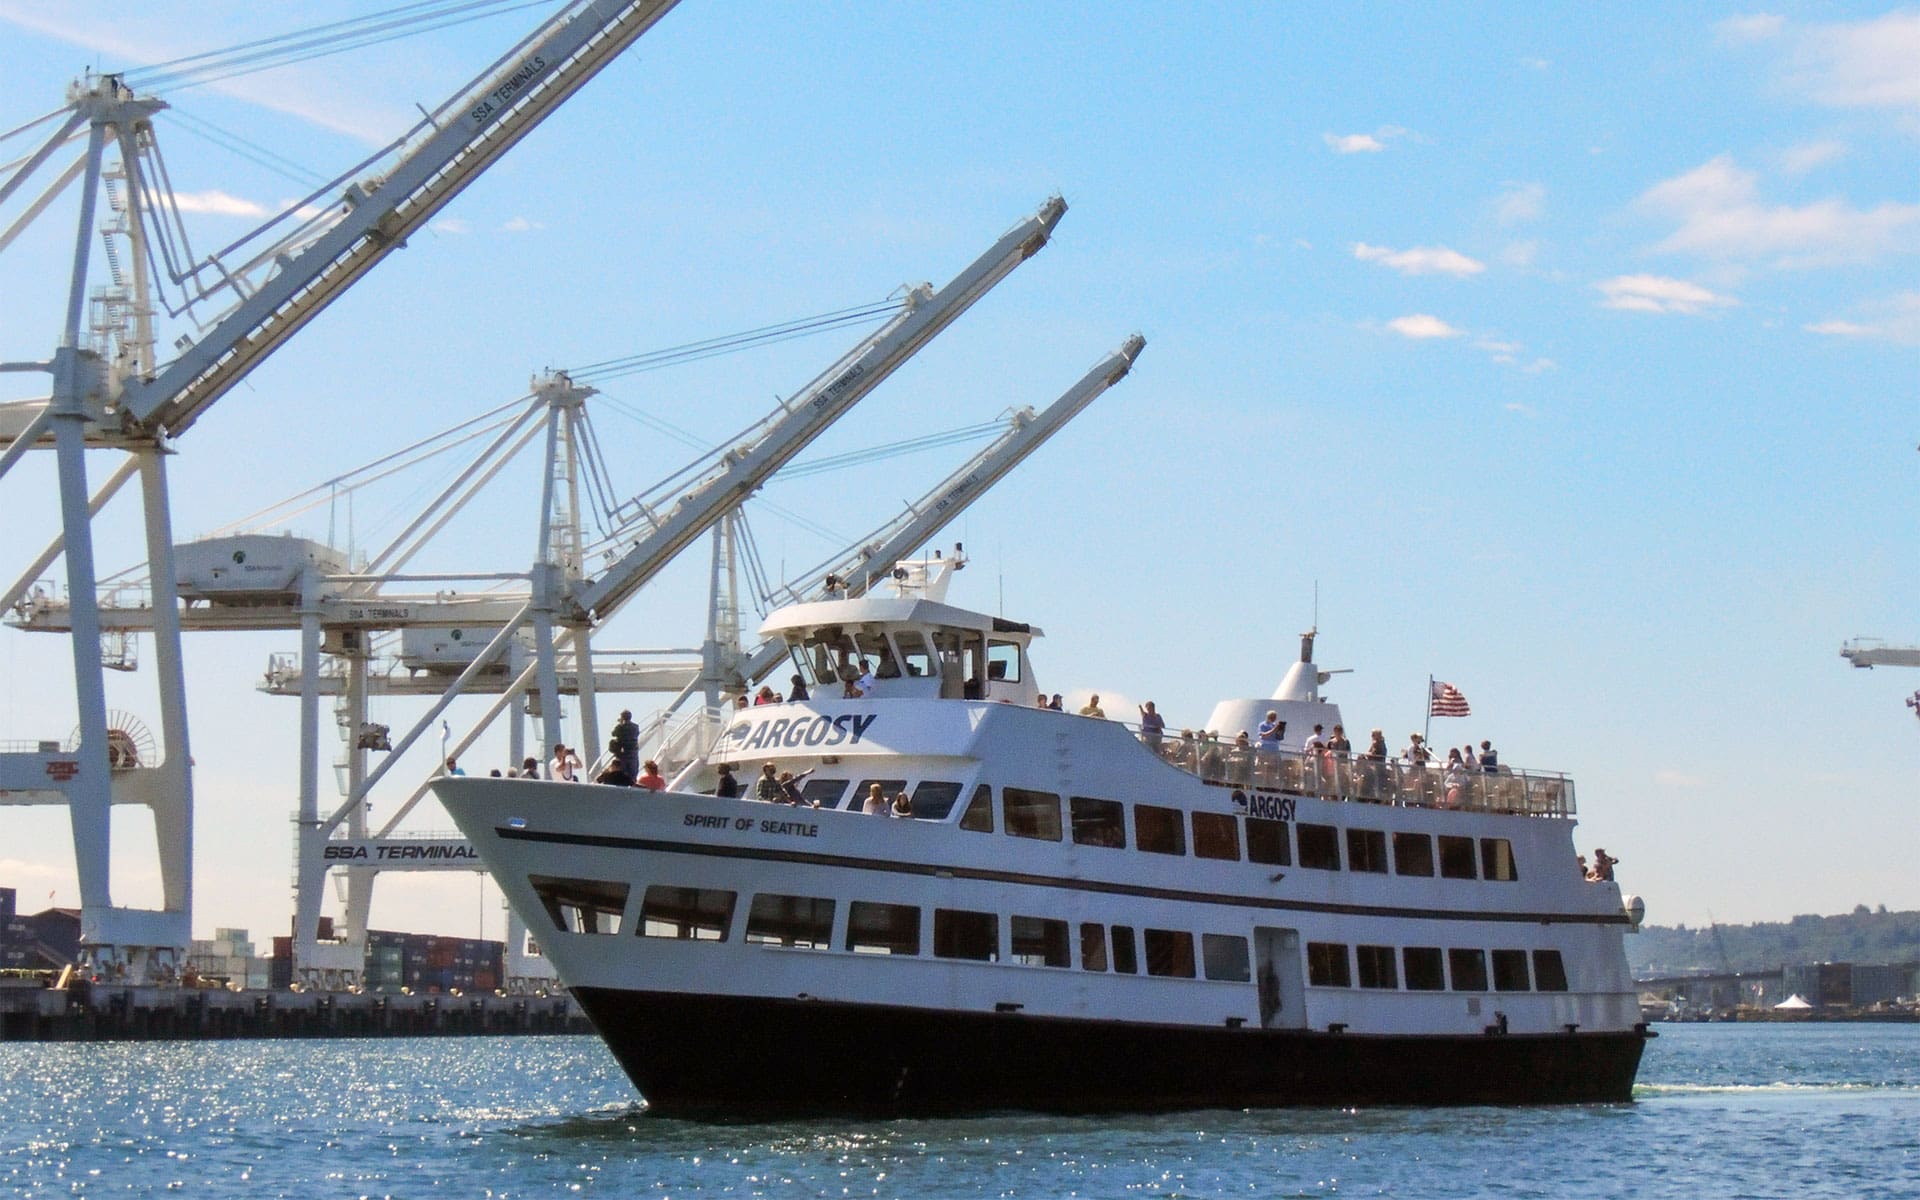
x,y
219,204
1798,160
1896,320
1521,202
1759,27
1659,294
1668,777
1520,254
1354,143
451,225
1720,216
1422,327
1536,64
521,225
1421,260
1514,406
1862,64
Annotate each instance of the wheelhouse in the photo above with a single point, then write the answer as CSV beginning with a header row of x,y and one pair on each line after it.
x,y
913,647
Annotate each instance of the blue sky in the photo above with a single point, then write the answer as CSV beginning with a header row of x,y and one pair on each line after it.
x,y
1570,350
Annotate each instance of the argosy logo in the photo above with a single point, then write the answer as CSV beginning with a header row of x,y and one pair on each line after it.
x,y
794,732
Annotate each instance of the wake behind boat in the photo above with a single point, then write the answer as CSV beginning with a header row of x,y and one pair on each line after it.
x,y
1069,914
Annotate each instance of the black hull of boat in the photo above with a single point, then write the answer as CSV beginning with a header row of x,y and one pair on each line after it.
x,y
732,1057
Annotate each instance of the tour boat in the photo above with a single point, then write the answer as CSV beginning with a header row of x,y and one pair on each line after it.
x,y
1076,915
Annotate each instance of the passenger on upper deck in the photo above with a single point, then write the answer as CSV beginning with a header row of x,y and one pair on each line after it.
x,y
902,805
1314,741
798,691
765,696
1271,731
650,777
728,787
767,787
1602,866
1092,707
790,787
876,802
1055,704
1489,759
1416,752
1153,726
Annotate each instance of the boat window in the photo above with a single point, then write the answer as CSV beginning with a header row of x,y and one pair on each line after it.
x,y
1549,972
1268,842
1496,859
1159,830
1170,953
698,914
1031,814
933,799
1003,662
1456,857
1320,847
826,791
876,654
1327,965
979,815
1469,968
1093,946
828,657
1125,960
889,788
1426,969
581,905
1413,854
874,928
961,934
1376,966
802,921
916,657
1224,957
1216,835
1510,971
1099,822
1367,850
1039,942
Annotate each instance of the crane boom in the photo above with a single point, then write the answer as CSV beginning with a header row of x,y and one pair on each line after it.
x,y
1871,652
487,118
879,552
804,417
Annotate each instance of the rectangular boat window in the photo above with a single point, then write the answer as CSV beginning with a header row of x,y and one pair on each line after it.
x,y
1510,971
1456,857
1319,847
1367,850
1039,942
961,934
802,921
1093,946
1496,859
979,815
1170,953
827,791
1159,830
1268,842
581,905
1413,854
1003,662
1549,972
1125,959
933,799
1216,835
1426,969
1376,966
697,914
1224,957
1469,968
1099,822
1327,965
1031,814
874,928
889,788
916,657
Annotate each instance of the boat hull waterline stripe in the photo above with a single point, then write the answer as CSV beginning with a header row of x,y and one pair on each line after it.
x,y
608,842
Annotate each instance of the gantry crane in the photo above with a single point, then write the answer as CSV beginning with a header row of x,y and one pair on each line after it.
x,y
109,389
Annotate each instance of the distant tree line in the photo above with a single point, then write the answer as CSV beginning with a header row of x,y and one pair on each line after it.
x,y
1861,936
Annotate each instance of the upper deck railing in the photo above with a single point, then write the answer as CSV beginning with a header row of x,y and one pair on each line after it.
x,y
1368,780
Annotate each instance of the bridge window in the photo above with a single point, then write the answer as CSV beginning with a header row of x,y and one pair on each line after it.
x,y
692,914
1549,972
1216,835
1376,966
1319,847
883,928
1426,969
1510,971
1496,859
1327,965
979,815
1099,822
805,922
1031,814
1003,662
1469,969
933,799
961,934
581,905
1224,957
1268,842
1456,857
1413,854
1367,851
1159,830
1040,942
915,657
1170,953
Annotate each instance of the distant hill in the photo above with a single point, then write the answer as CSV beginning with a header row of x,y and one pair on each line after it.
x,y
1861,936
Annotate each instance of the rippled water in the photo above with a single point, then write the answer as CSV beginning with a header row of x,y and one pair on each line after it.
x,y
1724,1110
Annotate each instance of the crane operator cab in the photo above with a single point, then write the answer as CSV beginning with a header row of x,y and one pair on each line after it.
x,y
909,643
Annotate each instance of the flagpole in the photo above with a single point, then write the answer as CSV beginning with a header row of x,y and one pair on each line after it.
x,y
1426,732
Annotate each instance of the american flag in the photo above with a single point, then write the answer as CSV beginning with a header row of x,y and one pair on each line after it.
x,y
1446,701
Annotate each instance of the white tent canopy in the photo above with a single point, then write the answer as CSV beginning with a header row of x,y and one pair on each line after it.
x,y
1793,1003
